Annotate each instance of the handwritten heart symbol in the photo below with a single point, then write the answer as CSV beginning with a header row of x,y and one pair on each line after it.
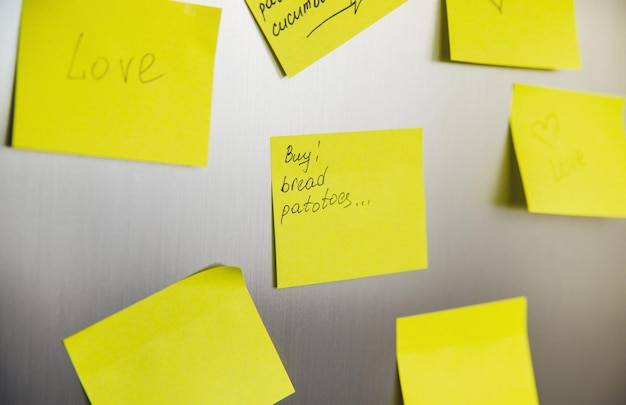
x,y
498,4
547,130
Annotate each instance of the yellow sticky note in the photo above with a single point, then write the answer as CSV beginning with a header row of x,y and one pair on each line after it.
x,y
571,151
347,205
114,78
530,33
302,31
475,355
199,341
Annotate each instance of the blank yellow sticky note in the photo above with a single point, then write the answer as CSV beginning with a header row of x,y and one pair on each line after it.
x,y
571,151
476,355
530,33
199,341
114,78
302,31
347,205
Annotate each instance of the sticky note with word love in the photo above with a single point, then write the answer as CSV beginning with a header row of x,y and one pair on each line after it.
x,y
347,205
301,32
116,79
571,151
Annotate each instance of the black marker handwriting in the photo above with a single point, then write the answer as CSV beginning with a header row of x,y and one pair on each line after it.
x,y
353,3
300,158
266,5
499,4
292,17
311,193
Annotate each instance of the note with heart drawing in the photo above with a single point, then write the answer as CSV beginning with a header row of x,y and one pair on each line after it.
x,y
571,150
534,34
112,79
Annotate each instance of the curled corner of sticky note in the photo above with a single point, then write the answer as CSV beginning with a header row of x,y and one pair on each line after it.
x,y
477,354
195,341
227,272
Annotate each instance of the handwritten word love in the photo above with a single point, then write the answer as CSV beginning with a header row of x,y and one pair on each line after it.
x,y
562,168
100,68
563,164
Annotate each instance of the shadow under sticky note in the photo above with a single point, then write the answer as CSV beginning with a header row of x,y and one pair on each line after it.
x,y
302,31
475,355
530,34
111,79
571,150
347,205
199,341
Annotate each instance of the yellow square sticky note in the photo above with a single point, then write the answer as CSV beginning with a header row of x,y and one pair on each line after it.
x,y
118,79
199,341
571,151
302,31
347,205
476,355
521,33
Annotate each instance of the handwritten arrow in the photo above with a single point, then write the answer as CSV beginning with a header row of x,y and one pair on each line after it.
x,y
353,3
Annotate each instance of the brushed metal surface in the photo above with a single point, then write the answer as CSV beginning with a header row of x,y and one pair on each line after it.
x,y
81,238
